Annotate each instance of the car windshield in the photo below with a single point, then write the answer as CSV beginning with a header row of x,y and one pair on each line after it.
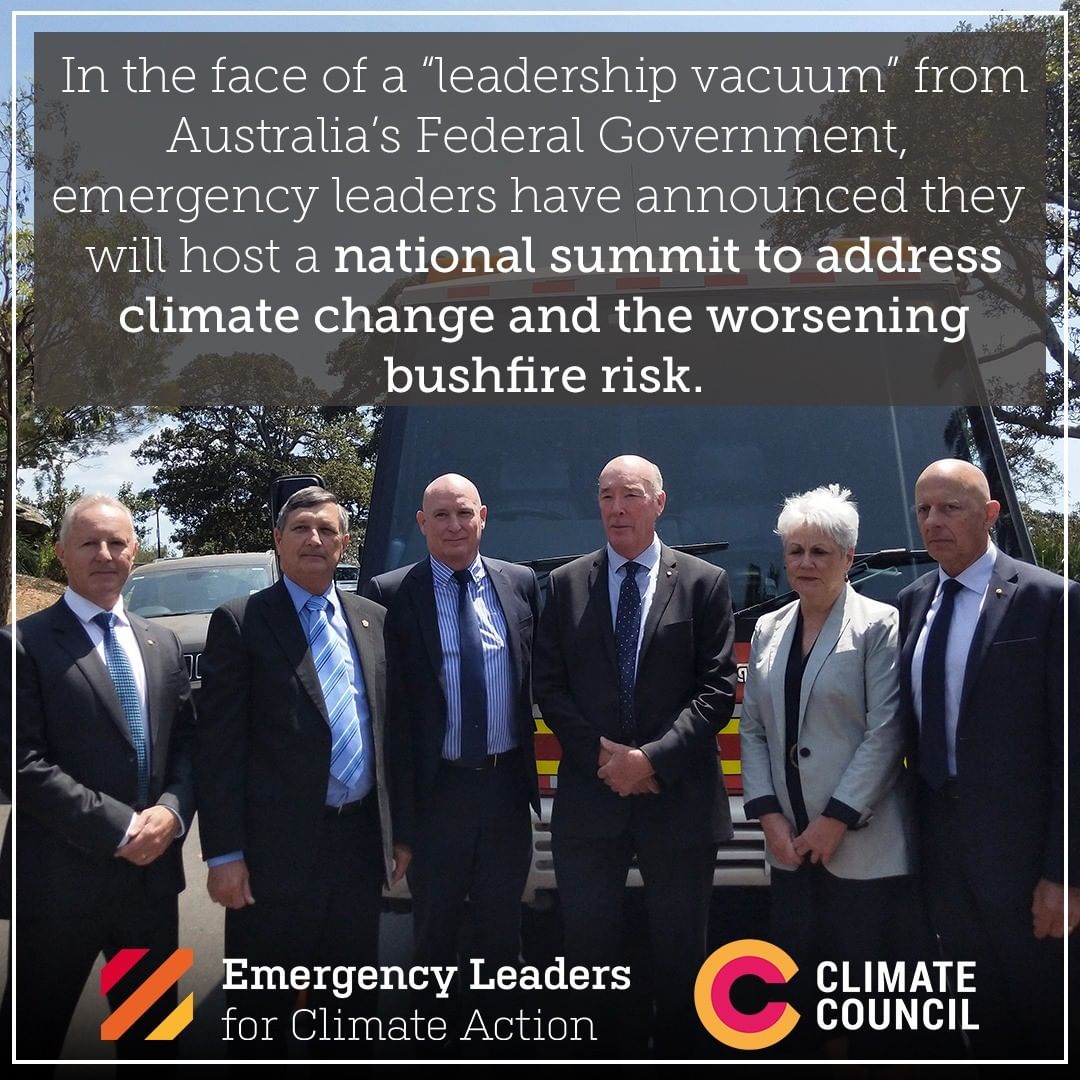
x,y
189,590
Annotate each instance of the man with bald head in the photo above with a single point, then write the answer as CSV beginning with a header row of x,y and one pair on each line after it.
x,y
459,641
982,667
634,674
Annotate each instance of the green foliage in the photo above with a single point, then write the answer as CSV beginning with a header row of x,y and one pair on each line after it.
x,y
973,152
214,464
1047,531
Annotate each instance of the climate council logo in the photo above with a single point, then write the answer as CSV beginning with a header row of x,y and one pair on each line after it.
x,y
712,995
155,985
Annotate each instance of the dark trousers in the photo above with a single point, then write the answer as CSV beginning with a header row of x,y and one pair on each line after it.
x,y
57,950
1019,998
333,921
817,916
677,882
475,843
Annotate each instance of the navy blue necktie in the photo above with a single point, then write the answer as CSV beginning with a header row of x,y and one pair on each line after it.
x,y
627,629
933,748
123,678
471,677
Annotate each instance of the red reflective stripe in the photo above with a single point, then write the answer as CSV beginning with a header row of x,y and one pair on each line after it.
x,y
555,285
899,275
458,292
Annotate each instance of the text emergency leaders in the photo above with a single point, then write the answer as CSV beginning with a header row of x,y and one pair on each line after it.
x,y
342,980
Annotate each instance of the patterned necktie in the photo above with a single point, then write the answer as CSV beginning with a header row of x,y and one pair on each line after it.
x,y
328,652
933,748
116,660
627,627
471,676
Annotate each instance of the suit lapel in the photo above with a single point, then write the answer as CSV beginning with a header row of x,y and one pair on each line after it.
x,y
284,621
368,646
420,584
827,638
667,577
600,603
370,649
150,651
999,594
921,598
783,641
72,638
505,592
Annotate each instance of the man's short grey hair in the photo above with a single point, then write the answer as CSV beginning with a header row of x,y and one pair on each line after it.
x,y
830,509
86,502
307,499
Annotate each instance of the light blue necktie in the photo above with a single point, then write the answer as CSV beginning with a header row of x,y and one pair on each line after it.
x,y
347,743
123,678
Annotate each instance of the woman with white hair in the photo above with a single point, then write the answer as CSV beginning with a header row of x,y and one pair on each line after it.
x,y
822,744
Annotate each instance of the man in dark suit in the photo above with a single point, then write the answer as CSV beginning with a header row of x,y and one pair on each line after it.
x,y
459,631
293,772
982,669
103,785
634,674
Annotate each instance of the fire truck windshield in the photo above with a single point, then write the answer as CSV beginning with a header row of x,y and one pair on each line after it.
x,y
726,473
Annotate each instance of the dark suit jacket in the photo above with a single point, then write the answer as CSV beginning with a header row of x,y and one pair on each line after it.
x,y
1010,734
683,696
262,751
417,662
77,777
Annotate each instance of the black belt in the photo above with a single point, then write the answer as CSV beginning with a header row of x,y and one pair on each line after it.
x,y
492,761
345,809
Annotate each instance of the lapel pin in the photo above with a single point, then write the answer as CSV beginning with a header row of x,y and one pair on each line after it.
x,y
149,641
999,592
363,622
669,573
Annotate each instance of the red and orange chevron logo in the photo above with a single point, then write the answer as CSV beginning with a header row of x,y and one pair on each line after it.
x,y
152,988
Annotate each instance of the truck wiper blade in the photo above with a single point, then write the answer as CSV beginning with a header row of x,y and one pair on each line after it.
x,y
872,564
552,562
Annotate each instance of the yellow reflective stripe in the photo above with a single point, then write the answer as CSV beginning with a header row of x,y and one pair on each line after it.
x,y
731,768
541,727
547,768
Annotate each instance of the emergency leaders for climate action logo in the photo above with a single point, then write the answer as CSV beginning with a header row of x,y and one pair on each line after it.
x,y
155,983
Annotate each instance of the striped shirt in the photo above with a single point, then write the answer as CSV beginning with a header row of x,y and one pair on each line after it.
x,y
493,637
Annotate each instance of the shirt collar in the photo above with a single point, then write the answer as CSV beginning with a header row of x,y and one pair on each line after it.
x,y
301,596
87,609
443,575
649,558
977,576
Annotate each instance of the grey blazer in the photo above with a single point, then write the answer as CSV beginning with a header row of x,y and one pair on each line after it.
x,y
851,735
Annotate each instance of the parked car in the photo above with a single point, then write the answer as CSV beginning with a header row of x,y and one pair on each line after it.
x,y
347,575
181,594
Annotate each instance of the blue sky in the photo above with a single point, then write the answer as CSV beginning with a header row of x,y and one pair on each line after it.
x,y
107,472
